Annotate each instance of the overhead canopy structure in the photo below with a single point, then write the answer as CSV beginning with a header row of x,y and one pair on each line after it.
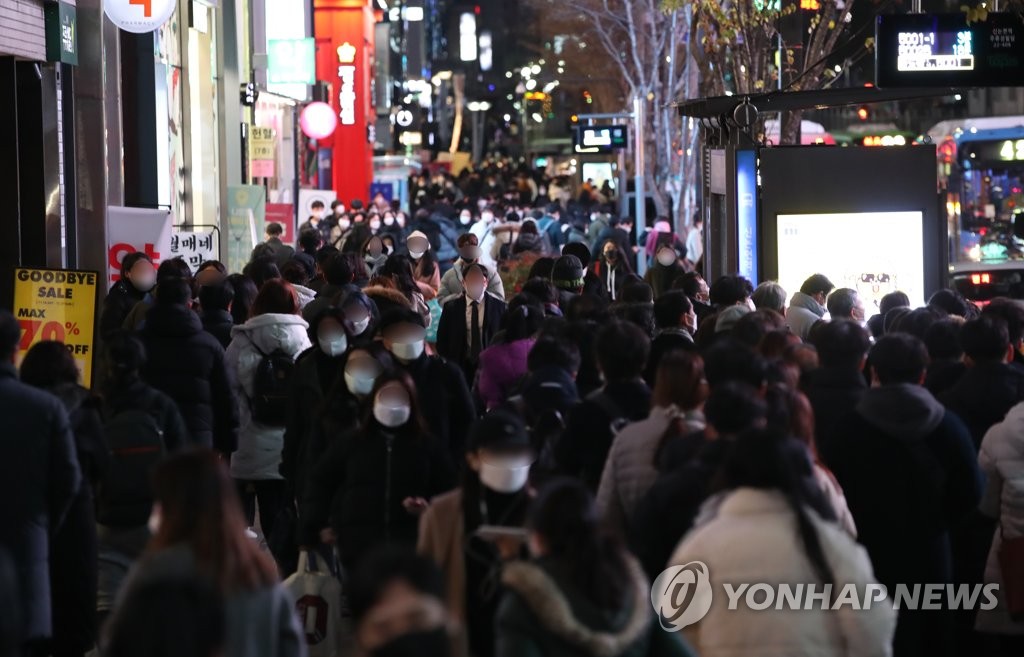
x,y
776,101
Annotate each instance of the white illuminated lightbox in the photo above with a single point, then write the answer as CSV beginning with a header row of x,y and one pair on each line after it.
x,y
874,253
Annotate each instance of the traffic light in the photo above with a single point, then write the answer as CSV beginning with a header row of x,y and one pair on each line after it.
x,y
587,97
863,113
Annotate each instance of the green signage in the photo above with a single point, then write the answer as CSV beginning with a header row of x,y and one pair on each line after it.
x,y
61,33
291,61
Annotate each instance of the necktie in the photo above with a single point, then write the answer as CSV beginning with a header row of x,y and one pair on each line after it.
x,y
475,340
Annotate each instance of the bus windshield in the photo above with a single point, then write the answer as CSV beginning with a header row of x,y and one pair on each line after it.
x,y
981,173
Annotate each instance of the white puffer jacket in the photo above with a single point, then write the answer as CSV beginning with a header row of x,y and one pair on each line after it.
x,y
259,446
1002,460
753,538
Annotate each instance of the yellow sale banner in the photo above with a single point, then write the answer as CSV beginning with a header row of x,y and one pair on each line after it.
x,y
60,305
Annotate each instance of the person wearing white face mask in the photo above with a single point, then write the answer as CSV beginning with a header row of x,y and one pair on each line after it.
x,y
360,316
372,484
456,530
666,269
469,253
465,218
446,401
316,371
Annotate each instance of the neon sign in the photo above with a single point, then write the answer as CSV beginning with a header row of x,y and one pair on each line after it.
x,y
347,75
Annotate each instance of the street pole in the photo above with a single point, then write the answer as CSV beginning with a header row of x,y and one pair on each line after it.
x,y
638,185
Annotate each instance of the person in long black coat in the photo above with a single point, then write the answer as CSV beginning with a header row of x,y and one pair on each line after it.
x,y
371,486
187,364
39,479
909,472
137,279
444,394
73,553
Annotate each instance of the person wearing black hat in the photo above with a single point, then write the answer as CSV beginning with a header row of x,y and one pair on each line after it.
x,y
456,529
592,284
447,403
567,277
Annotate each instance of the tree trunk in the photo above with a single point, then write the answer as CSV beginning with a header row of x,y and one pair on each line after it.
x,y
789,131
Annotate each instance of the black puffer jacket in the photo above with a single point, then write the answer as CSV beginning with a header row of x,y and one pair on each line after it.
x,y
187,364
358,487
219,323
119,302
129,396
73,550
313,377
445,400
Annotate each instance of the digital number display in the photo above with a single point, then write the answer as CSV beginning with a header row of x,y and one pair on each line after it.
x,y
992,152
942,50
602,139
935,51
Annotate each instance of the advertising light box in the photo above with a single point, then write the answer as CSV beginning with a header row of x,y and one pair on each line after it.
x,y
881,252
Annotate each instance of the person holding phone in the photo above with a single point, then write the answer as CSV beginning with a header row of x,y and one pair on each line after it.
x,y
470,531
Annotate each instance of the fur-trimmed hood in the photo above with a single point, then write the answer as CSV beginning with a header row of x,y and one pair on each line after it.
x,y
542,594
393,297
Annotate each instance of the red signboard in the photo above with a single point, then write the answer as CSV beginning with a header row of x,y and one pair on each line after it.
x,y
344,51
284,214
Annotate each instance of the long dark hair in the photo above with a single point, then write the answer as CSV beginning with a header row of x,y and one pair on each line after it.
x,y
245,296
399,269
199,507
769,459
48,364
566,518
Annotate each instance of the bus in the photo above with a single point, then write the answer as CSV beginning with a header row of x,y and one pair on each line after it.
x,y
981,178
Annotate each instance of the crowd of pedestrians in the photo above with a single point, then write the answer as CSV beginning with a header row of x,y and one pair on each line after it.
x,y
493,463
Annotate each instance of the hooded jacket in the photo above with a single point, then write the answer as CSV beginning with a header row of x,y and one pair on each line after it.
x,y
802,313
543,614
187,364
451,283
909,473
259,446
306,295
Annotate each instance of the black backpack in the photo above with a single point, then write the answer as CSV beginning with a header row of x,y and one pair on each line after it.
x,y
135,443
270,387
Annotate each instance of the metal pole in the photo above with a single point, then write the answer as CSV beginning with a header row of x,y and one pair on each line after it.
x,y
620,187
638,185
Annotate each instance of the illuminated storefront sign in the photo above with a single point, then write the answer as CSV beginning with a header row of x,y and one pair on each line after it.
x,y
347,75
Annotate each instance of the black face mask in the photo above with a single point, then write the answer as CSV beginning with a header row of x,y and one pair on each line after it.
x,y
611,256
430,643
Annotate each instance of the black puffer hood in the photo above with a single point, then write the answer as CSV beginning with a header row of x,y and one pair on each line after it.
x,y
901,410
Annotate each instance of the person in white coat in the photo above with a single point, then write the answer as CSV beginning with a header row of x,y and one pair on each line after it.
x,y
771,525
275,326
676,411
1002,460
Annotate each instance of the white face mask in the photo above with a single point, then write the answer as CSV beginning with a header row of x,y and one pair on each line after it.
x,y
465,219
482,203
416,255
400,220
375,225
358,328
391,417
344,224
487,216
505,476
144,282
317,214
359,383
333,344
389,221
407,351
665,259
